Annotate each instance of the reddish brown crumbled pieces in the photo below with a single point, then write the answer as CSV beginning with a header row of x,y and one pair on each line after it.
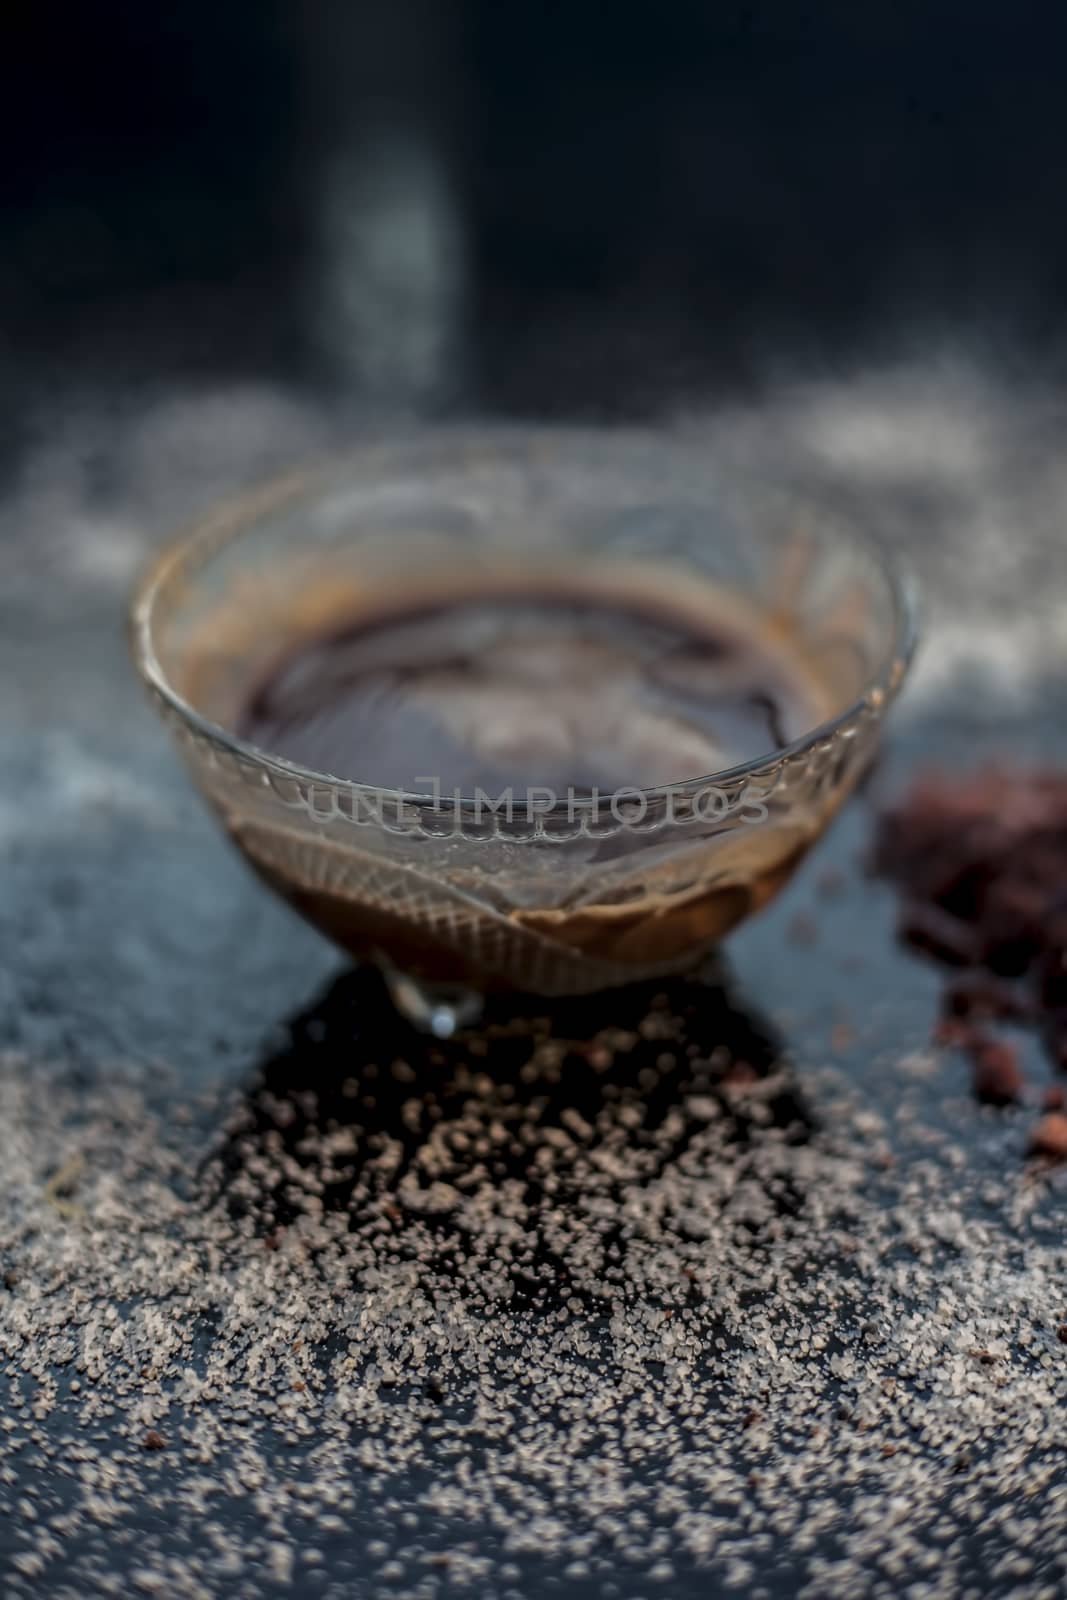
x,y
952,1032
1049,1137
982,863
997,1077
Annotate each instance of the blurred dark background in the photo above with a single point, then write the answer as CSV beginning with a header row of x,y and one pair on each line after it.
x,y
550,208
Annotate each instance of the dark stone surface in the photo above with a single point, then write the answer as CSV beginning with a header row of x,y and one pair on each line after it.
x,y
132,941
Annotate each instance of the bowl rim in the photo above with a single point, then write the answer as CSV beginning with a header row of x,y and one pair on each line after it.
x,y
233,516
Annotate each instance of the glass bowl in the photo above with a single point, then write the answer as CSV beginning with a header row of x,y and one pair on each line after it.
x,y
452,897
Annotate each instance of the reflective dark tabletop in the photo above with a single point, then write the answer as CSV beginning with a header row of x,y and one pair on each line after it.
x,y
720,1286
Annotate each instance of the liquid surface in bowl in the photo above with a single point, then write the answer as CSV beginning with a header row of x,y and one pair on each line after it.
x,y
516,689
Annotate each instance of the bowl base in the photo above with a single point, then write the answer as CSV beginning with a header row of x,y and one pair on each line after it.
x,y
441,1009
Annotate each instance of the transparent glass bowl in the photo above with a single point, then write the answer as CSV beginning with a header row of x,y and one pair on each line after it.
x,y
452,899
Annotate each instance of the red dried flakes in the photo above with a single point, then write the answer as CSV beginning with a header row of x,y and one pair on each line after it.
x,y
153,1441
996,1078
981,862
1049,1137
953,1032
